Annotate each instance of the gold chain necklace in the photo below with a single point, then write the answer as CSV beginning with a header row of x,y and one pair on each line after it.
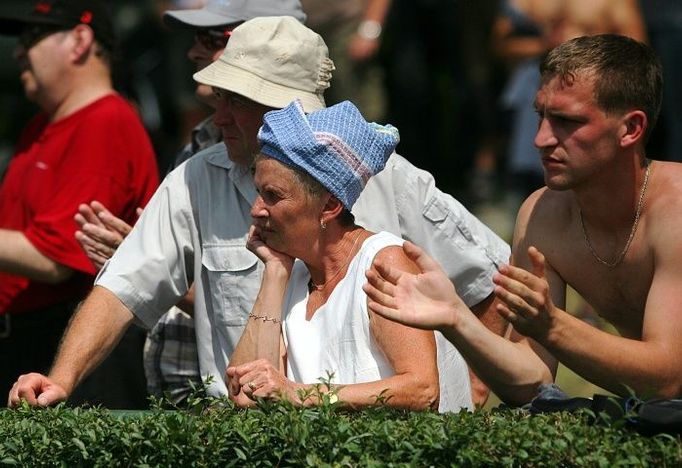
x,y
320,287
620,257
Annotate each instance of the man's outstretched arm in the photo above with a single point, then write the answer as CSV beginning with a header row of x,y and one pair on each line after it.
x,y
486,311
650,366
94,331
428,300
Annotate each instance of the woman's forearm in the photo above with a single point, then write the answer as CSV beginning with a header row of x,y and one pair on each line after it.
x,y
406,391
261,337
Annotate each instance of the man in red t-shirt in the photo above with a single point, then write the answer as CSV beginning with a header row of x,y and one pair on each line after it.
x,y
87,143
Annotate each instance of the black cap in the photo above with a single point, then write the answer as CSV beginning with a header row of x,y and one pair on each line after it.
x,y
66,13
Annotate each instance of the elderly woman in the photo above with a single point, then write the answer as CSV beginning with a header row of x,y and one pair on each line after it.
x,y
310,318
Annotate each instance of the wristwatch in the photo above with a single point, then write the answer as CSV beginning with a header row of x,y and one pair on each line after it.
x,y
369,29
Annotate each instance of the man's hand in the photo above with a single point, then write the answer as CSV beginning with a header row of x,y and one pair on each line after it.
x,y
259,379
101,232
526,301
427,300
37,390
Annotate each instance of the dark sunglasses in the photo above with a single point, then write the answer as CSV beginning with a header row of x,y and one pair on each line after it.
x,y
31,35
213,39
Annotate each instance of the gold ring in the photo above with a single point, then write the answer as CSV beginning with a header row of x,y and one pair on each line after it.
x,y
252,386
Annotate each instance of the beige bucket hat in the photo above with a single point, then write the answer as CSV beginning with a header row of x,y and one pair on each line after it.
x,y
272,61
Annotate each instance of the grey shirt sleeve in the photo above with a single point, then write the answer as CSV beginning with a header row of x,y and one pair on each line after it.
x,y
153,267
404,200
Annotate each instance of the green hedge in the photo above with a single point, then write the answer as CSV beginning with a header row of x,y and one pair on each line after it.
x,y
279,435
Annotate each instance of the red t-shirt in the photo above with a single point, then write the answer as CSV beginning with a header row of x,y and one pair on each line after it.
x,y
101,152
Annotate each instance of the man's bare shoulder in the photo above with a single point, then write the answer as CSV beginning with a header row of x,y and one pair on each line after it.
x,y
666,180
663,204
545,211
542,220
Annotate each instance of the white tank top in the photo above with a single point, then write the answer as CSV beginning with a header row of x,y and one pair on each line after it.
x,y
338,339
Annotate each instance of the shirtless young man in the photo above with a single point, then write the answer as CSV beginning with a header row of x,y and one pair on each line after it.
x,y
608,224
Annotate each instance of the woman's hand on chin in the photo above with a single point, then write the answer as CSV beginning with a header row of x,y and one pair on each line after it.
x,y
267,254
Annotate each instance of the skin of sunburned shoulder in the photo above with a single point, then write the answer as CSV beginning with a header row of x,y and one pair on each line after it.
x,y
606,224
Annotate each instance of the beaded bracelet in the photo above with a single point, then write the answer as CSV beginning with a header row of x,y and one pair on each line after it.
x,y
264,318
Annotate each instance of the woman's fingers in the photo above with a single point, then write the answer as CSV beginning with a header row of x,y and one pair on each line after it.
x,y
233,387
254,379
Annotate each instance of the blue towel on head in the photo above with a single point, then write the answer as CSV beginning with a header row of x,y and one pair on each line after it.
x,y
336,146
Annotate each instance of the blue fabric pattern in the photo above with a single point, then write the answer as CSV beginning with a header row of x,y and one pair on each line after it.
x,y
336,146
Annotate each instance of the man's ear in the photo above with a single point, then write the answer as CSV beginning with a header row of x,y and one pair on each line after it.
x,y
84,37
332,209
634,125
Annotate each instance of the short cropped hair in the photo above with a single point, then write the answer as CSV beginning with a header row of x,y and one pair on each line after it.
x,y
627,73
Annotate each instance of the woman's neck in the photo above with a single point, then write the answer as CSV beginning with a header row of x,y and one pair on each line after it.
x,y
332,266
335,254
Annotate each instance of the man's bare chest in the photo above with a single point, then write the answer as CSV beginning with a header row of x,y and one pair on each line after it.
x,y
618,294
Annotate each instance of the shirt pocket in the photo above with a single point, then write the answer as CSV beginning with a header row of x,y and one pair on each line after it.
x,y
448,224
233,281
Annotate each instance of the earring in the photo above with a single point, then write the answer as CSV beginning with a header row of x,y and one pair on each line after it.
x,y
323,225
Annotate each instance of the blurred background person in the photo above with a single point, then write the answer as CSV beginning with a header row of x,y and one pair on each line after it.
x,y
86,142
153,73
353,30
664,27
437,69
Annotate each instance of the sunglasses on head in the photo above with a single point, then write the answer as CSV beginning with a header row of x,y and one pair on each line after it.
x,y
213,39
33,34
